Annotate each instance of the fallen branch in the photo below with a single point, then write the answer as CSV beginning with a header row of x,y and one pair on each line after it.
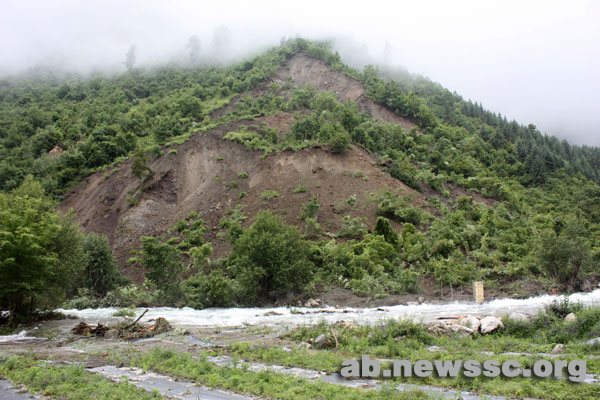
x,y
136,321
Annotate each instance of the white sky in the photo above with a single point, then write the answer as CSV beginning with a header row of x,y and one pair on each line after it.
x,y
535,61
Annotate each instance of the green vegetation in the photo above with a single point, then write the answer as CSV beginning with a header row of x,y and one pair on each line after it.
x,y
270,385
535,213
270,257
68,382
269,194
409,340
301,188
101,273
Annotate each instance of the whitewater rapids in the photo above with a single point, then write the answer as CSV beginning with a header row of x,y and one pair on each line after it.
x,y
283,316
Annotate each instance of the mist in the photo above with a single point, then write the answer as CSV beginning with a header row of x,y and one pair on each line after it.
x,y
536,62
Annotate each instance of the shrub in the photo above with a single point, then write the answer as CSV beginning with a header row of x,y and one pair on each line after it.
x,y
339,142
300,189
243,175
353,228
384,228
398,208
269,257
213,290
163,265
269,194
101,271
367,286
310,209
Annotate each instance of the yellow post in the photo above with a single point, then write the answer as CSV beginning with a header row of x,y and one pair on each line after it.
x,y
478,292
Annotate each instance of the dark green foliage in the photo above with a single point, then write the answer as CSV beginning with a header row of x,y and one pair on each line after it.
x,y
269,257
339,142
535,184
212,290
384,228
398,208
310,209
101,271
564,252
163,265
139,166
40,253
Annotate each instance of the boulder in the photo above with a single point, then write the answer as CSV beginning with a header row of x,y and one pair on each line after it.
x,y
439,328
462,330
489,324
570,317
311,303
421,300
470,321
304,345
559,348
593,342
517,316
111,334
322,341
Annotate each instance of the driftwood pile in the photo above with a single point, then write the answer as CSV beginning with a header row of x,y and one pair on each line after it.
x,y
124,330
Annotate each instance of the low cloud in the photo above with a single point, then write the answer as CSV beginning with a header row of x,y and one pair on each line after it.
x,y
533,61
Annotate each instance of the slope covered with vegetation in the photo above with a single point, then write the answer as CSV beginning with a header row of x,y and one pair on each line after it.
x,y
500,202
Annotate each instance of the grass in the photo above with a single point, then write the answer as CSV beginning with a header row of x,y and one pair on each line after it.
x,y
269,194
68,382
301,188
264,384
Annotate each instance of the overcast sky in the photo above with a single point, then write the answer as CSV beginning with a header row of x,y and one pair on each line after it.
x,y
535,61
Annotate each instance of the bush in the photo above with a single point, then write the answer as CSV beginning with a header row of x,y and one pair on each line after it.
x,y
300,189
163,265
339,142
270,257
268,194
101,271
398,208
213,290
310,209
128,296
384,228
367,286
353,228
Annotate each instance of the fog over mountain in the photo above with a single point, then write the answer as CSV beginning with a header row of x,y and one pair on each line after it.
x,y
536,62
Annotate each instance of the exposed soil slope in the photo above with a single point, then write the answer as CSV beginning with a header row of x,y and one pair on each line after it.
x,y
304,70
195,179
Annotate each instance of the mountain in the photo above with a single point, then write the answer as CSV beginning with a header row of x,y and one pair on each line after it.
x,y
397,185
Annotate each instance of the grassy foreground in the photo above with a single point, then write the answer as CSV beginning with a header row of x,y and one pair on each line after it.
x,y
68,382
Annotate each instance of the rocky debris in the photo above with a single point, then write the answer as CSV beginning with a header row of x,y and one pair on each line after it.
x,y
470,321
433,349
439,328
311,303
304,345
271,314
161,325
461,330
111,334
125,331
322,341
517,316
464,325
570,317
559,348
592,342
84,329
489,324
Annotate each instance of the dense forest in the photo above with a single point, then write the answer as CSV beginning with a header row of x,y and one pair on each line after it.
x,y
542,223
